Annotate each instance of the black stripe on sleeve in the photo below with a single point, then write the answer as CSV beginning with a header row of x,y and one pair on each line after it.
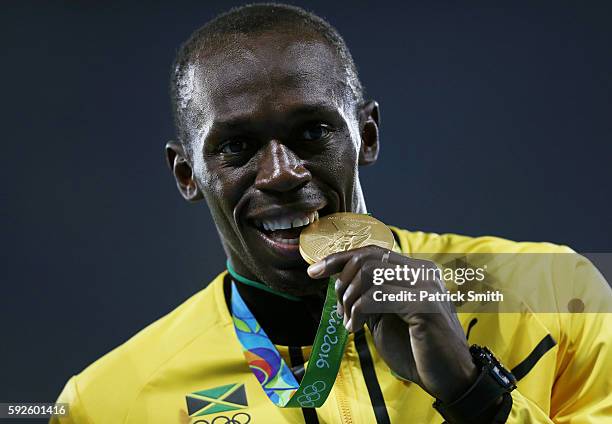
x,y
297,360
369,375
471,325
529,362
397,240
310,416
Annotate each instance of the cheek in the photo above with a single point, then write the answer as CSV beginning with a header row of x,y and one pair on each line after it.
x,y
219,198
214,187
223,187
341,161
202,174
348,149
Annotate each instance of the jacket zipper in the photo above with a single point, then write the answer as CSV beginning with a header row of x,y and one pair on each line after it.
x,y
343,406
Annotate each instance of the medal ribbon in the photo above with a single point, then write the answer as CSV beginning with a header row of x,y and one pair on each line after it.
x,y
272,372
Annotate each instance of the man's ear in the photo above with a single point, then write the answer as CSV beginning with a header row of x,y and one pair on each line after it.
x,y
369,122
182,171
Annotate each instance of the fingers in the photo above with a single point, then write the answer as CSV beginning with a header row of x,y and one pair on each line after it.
x,y
347,275
340,288
357,317
349,285
351,294
330,265
350,270
347,264
336,262
352,301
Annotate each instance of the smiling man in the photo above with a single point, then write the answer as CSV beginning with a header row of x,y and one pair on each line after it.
x,y
272,128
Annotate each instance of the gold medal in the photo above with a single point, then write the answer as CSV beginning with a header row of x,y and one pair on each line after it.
x,y
342,231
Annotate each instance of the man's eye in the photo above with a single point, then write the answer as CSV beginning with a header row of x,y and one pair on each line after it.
x,y
234,146
316,132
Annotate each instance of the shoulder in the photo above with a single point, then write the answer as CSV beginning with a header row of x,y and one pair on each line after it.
x,y
422,242
550,279
555,272
117,378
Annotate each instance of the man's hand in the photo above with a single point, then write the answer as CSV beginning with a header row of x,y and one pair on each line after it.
x,y
426,347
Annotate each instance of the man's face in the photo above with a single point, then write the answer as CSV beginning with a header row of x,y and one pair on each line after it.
x,y
274,143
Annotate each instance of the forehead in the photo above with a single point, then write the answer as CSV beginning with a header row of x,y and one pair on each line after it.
x,y
268,73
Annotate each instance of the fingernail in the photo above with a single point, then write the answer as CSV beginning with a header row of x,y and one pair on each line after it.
x,y
348,325
316,269
337,285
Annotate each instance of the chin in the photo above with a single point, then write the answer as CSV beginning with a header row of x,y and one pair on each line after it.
x,y
296,282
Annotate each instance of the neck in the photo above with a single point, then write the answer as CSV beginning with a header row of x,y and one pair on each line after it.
x,y
286,322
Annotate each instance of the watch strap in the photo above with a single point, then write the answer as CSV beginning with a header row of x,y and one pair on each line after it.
x,y
476,401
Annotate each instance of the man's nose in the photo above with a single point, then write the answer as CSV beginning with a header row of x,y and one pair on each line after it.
x,y
280,169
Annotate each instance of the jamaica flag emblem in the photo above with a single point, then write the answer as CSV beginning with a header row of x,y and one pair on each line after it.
x,y
218,399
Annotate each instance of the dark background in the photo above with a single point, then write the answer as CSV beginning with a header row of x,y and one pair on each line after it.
x,y
496,119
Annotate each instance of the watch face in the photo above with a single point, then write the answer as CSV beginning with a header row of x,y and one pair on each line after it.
x,y
501,377
485,358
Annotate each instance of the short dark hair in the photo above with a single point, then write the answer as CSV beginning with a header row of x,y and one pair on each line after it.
x,y
257,18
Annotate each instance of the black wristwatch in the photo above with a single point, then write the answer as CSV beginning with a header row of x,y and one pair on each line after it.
x,y
493,382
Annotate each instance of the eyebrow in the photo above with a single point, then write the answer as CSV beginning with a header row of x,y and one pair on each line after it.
x,y
303,110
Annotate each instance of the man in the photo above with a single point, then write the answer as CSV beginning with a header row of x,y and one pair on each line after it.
x,y
272,128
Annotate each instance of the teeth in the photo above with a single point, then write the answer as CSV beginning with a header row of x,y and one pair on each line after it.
x,y
299,222
286,223
289,241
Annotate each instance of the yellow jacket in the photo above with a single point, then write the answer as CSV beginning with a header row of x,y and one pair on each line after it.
x,y
563,362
